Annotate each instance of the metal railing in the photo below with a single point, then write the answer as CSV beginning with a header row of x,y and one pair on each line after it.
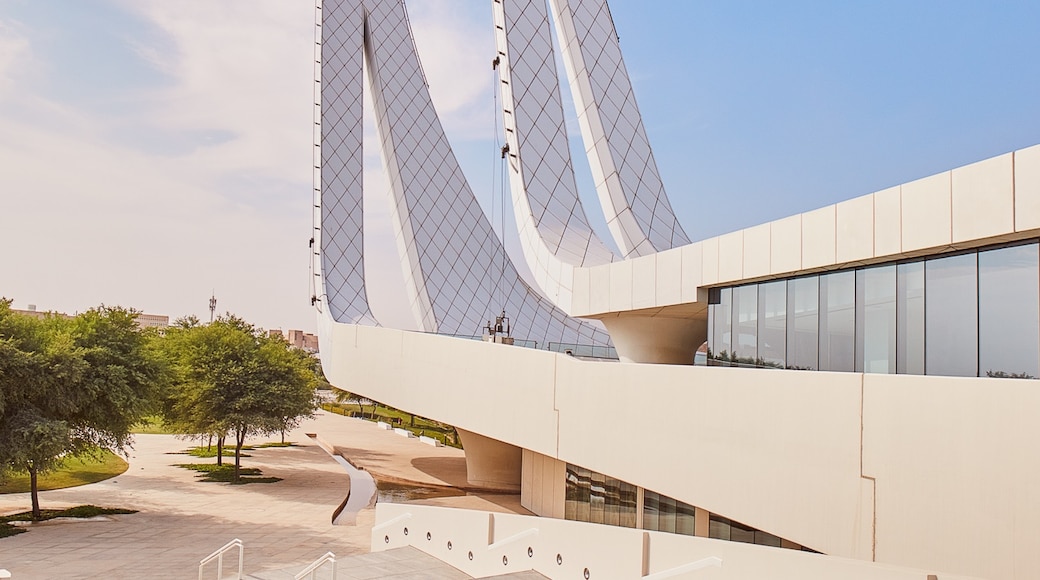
x,y
584,350
580,350
218,555
312,569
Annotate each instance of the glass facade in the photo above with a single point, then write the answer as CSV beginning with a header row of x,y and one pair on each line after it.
x,y
951,316
721,323
1009,312
721,528
838,321
745,324
772,324
664,514
876,320
597,498
803,330
910,318
968,314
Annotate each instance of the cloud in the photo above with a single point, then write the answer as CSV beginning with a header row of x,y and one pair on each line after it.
x,y
14,52
198,178
456,45
98,217
239,72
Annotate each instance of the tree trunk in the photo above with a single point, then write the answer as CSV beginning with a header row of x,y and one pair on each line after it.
x,y
240,438
220,450
36,515
283,436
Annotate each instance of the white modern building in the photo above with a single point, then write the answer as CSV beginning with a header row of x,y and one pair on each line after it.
x,y
870,392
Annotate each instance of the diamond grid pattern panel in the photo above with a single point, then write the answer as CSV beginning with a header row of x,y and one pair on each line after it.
x,y
342,230
544,187
637,209
457,273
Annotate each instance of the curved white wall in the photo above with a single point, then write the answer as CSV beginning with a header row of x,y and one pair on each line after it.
x,y
797,454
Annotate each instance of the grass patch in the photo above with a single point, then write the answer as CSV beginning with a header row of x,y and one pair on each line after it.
x,y
226,473
76,471
422,426
211,452
271,444
153,425
83,511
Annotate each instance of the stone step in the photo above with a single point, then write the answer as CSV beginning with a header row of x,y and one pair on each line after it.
x,y
400,563
526,575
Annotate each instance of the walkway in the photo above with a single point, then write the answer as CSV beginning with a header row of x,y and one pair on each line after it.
x,y
180,521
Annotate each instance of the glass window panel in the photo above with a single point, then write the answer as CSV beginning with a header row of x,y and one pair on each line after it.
x,y
803,302
722,324
745,324
718,527
627,492
766,539
838,321
612,514
712,349
684,518
571,502
951,316
1009,312
597,498
667,521
876,320
741,533
772,324
910,318
651,511
584,488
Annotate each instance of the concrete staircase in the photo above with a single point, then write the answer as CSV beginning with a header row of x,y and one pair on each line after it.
x,y
400,564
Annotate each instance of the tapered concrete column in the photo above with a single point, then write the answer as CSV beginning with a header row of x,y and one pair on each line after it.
x,y
490,463
655,339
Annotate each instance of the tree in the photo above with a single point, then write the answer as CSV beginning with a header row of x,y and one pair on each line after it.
x,y
233,379
344,397
70,386
185,404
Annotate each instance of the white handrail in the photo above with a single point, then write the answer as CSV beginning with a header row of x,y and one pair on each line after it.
x,y
514,538
219,556
401,518
313,568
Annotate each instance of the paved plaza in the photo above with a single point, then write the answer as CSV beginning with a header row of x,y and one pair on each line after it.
x,y
282,525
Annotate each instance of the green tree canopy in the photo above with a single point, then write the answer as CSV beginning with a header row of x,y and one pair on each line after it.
x,y
71,386
233,379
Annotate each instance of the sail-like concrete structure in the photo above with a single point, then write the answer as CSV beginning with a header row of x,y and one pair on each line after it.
x,y
457,273
914,452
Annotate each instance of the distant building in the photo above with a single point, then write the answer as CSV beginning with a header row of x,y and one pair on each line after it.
x,y
32,311
298,339
160,321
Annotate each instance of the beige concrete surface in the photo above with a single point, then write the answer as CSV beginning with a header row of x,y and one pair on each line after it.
x,y
399,564
180,521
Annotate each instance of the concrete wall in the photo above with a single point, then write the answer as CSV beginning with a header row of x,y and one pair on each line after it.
x,y
484,544
957,471
921,471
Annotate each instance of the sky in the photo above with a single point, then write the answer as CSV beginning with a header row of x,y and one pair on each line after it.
x,y
153,153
